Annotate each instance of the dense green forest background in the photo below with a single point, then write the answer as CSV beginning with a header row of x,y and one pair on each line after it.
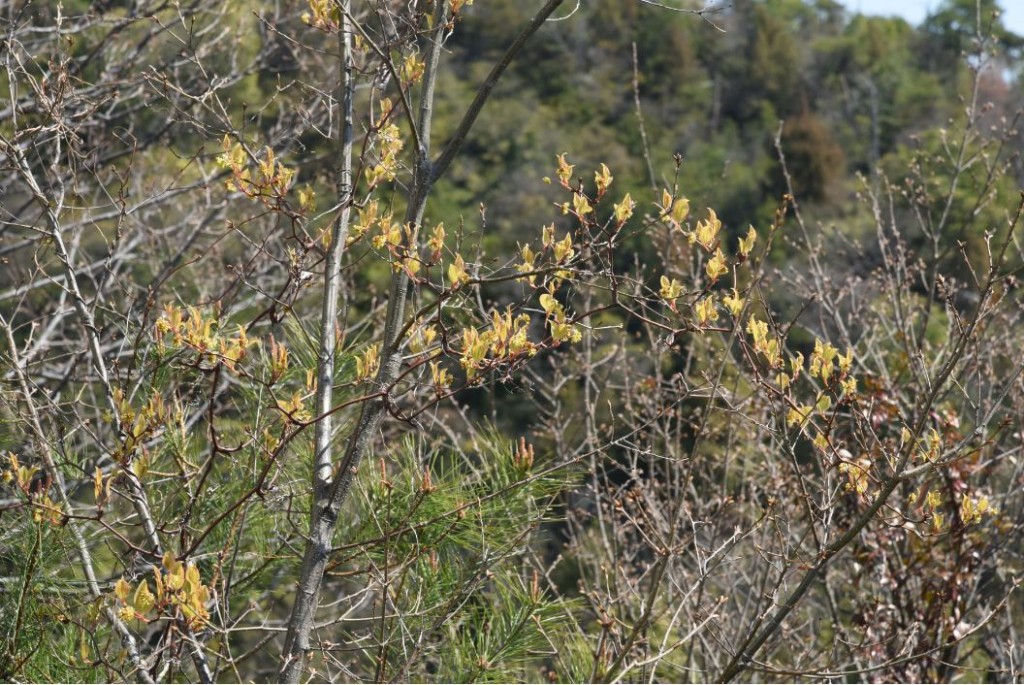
x,y
848,96
736,395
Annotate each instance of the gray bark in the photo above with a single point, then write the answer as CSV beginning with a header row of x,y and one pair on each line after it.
x,y
332,485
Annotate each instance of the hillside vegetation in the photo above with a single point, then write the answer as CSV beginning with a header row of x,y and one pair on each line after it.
x,y
505,341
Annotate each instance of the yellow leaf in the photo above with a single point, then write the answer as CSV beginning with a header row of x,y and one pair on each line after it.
x,y
747,244
717,266
797,415
528,263
97,484
170,563
581,205
562,331
564,171
846,361
706,233
563,249
797,363
140,466
122,588
436,242
705,311
822,359
547,235
421,338
159,584
175,577
734,303
670,289
307,199
143,600
368,363
457,272
412,69
758,330
474,350
905,435
192,579
624,209
440,377
603,178
549,303
680,210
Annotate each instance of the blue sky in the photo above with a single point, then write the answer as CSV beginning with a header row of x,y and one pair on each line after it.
x,y
914,11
